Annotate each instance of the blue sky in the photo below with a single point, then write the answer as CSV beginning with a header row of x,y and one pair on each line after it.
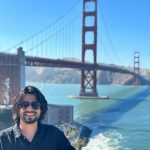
x,y
128,25
124,25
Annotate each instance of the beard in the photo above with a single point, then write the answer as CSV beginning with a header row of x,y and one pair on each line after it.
x,y
30,119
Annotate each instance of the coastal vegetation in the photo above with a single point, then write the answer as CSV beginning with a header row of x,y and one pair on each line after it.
x,y
75,135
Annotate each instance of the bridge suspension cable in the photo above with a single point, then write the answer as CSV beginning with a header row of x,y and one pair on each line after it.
x,y
46,29
108,34
131,62
59,37
101,43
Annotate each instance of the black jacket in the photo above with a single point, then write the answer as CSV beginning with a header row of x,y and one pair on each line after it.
x,y
47,137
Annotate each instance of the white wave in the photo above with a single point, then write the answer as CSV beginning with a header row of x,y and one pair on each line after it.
x,y
109,140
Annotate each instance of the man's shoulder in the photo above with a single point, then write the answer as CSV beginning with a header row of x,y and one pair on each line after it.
x,y
6,131
51,129
58,136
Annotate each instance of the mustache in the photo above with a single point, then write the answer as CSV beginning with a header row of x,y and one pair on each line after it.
x,y
30,112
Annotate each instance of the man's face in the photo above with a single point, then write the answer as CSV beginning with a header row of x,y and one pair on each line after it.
x,y
29,109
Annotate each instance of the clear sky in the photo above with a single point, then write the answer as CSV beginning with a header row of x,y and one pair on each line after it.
x,y
124,25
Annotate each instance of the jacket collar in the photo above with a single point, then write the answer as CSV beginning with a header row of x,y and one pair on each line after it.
x,y
17,131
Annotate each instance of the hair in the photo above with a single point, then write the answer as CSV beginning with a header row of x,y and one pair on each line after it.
x,y
20,96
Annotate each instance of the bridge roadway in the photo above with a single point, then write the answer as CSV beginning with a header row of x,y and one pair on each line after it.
x,y
45,62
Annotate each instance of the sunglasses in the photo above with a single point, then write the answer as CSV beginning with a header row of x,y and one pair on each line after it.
x,y
24,105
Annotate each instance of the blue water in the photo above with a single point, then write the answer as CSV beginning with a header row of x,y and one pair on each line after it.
x,y
119,123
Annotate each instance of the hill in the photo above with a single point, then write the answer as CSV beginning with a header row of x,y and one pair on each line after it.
x,y
65,75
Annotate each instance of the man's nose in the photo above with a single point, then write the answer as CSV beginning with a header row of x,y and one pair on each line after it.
x,y
30,107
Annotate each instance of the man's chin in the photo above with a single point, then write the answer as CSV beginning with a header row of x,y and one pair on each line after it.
x,y
30,121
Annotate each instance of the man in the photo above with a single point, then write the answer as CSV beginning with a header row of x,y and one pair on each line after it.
x,y
28,133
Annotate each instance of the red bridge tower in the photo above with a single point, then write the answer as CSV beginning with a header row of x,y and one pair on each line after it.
x,y
136,66
88,77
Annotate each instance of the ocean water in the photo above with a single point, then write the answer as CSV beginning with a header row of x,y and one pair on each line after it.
x,y
119,123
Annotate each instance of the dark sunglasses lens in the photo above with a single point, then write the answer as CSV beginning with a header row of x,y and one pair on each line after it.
x,y
24,105
35,105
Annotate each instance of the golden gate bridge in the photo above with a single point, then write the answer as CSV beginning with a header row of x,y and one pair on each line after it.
x,y
67,37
